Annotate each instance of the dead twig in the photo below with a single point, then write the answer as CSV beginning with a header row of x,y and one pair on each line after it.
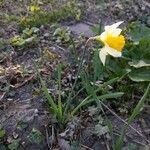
x,y
125,122
26,80
138,142
2,96
47,138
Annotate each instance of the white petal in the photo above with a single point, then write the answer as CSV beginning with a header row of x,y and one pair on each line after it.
x,y
113,30
113,26
113,52
103,36
116,32
102,55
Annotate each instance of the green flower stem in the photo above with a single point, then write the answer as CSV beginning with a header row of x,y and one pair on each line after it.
x,y
78,72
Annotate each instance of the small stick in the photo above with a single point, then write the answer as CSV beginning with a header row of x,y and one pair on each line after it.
x,y
47,138
125,122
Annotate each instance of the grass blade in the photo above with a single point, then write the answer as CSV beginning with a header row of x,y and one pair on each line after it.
x,y
45,90
75,82
87,101
136,111
59,94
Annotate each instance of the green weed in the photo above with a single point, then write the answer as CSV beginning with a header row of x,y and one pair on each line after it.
x,y
28,37
62,35
63,111
38,17
135,112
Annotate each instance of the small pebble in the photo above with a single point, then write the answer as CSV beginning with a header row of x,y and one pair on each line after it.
x,y
46,35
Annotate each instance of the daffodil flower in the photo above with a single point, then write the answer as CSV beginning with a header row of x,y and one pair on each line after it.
x,y
113,41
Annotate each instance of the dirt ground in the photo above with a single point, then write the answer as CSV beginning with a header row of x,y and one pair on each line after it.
x,y
24,114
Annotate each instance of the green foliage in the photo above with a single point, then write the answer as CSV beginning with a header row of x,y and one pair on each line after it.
x,y
14,144
2,44
28,37
2,133
62,35
139,63
140,75
90,99
57,106
137,31
28,32
133,67
135,62
2,2
132,146
135,112
10,18
17,41
101,130
97,29
138,52
35,136
40,16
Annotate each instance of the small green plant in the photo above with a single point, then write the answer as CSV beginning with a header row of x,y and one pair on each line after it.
x,y
37,16
62,35
28,37
35,136
62,110
14,145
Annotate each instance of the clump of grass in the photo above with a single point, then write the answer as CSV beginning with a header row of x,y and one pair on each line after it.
x,y
39,16
62,110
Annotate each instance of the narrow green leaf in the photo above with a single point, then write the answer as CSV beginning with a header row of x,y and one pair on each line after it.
x,y
59,96
46,92
136,111
87,100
